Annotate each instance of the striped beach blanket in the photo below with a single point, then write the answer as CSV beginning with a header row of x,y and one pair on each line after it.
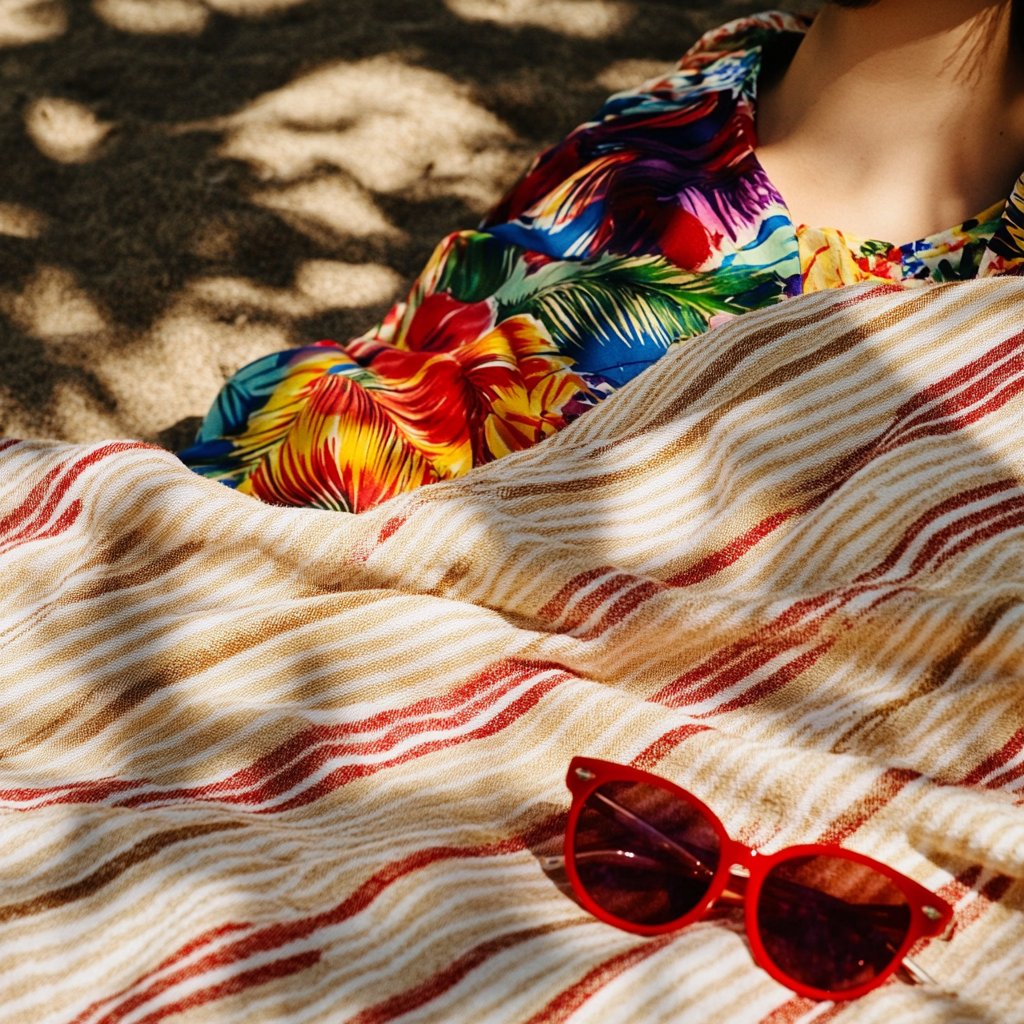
x,y
267,764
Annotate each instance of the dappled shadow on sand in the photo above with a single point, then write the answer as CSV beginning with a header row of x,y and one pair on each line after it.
x,y
189,185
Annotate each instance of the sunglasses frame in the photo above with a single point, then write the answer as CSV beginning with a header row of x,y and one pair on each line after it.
x,y
930,914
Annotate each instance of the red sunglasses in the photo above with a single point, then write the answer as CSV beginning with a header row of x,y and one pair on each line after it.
x,y
646,856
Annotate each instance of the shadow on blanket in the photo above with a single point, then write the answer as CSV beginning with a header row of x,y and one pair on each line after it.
x,y
280,763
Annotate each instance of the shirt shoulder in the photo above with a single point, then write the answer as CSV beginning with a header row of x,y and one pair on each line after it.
x,y
742,34
725,60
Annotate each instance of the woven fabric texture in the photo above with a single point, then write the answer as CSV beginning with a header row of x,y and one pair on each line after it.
x,y
265,764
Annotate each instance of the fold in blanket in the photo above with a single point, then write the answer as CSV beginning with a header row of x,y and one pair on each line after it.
x,y
283,764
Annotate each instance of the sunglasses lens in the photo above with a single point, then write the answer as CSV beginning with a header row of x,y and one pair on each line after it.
x,y
644,854
831,923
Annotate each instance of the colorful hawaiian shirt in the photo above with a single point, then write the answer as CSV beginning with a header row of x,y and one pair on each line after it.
x,y
642,229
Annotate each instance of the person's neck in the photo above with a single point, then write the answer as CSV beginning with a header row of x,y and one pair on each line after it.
x,y
897,120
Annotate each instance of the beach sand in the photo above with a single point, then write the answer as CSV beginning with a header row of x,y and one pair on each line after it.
x,y
186,186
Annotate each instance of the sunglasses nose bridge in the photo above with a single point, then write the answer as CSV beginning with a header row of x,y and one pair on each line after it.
x,y
741,859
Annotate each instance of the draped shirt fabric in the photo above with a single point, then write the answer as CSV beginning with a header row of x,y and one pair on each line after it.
x,y
642,229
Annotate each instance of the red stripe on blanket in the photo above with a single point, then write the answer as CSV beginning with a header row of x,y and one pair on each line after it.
x,y
274,937
796,1007
1010,516
943,508
734,550
299,758
567,1002
204,939
734,662
450,976
594,600
1004,363
488,685
664,745
971,910
776,681
554,608
38,508
801,623
87,792
30,505
940,419
909,424
623,607
261,975
978,526
390,528
350,773
1007,752
882,791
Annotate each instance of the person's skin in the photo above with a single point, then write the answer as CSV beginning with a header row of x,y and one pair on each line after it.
x,y
897,119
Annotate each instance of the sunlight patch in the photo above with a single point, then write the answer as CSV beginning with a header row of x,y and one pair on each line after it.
x,y
31,21
52,305
189,349
153,17
252,8
584,19
331,284
320,285
630,74
79,416
65,131
17,221
389,126
330,206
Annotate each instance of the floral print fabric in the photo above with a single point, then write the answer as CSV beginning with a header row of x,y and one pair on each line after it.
x,y
640,230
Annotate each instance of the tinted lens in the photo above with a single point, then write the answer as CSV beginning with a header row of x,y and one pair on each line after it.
x,y
643,854
831,923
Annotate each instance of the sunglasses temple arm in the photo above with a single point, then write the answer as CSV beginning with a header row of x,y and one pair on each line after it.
x,y
917,973
556,862
657,835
